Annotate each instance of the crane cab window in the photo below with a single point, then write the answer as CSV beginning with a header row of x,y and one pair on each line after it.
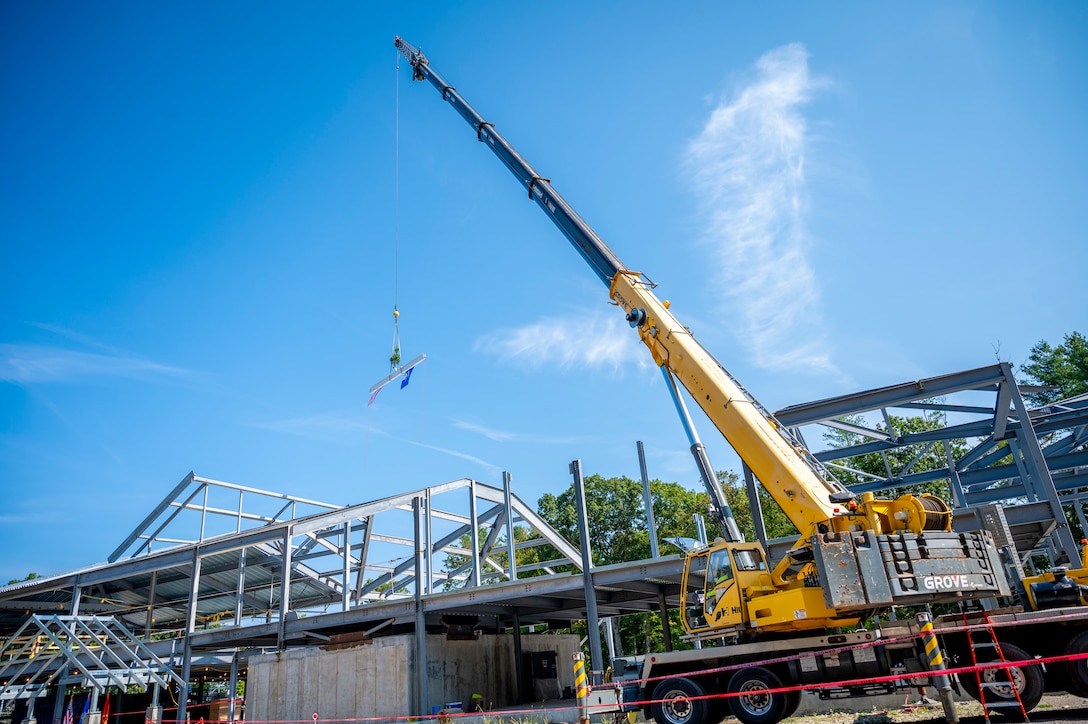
x,y
750,560
721,568
719,579
697,572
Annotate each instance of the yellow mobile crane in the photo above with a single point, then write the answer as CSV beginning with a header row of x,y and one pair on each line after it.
x,y
854,554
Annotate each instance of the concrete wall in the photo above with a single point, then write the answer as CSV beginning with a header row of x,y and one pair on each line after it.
x,y
458,669
365,681
378,679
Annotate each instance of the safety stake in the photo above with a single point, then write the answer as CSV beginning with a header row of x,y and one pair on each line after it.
x,y
936,663
581,688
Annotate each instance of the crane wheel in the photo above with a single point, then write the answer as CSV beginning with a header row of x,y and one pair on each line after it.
x,y
717,709
1077,671
1028,681
758,703
677,701
793,701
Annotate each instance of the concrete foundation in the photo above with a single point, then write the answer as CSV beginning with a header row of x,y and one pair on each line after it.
x,y
377,680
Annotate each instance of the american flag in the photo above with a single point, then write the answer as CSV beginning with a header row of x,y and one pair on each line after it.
x,y
68,719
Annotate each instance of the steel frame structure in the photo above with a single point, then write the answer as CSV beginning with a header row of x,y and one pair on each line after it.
x,y
1031,461
277,578
216,566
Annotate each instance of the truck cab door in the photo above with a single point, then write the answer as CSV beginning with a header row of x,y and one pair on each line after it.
x,y
724,605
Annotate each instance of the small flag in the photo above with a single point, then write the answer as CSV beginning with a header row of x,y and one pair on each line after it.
x,y
402,373
68,719
106,710
86,708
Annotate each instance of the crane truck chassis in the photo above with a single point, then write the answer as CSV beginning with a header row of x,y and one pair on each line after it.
x,y
856,556
762,682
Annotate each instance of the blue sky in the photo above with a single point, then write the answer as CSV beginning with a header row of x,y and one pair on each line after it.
x,y
203,239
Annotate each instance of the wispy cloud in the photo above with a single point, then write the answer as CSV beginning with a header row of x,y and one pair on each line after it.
x,y
454,453
508,436
748,169
584,339
28,363
341,429
490,434
327,427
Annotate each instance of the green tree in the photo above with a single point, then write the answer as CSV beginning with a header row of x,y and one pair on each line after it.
x,y
889,465
527,558
617,517
775,521
28,577
1064,367
618,532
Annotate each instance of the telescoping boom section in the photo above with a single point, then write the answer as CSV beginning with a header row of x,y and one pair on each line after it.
x,y
855,553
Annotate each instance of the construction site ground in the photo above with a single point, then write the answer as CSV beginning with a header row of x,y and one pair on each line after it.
x,y
1054,708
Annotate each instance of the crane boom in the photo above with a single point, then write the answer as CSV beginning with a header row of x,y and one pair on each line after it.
x,y
596,253
852,556
777,461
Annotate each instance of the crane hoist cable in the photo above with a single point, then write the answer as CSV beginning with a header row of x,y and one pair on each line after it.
x,y
396,369
394,356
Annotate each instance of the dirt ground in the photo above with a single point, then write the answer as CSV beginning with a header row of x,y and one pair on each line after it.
x,y
1054,708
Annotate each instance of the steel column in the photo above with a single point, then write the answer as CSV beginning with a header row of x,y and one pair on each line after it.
x,y
519,673
1039,472
285,589
648,501
666,626
345,586
241,588
150,605
58,704
232,694
428,541
190,626
592,621
360,575
511,549
959,497
474,534
421,619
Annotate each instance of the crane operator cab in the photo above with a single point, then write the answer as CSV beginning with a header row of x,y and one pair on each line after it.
x,y
716,579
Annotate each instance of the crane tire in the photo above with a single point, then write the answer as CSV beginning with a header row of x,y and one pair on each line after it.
x,y
793,701
717,708
1027,679
756,703
676,701
1077,671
